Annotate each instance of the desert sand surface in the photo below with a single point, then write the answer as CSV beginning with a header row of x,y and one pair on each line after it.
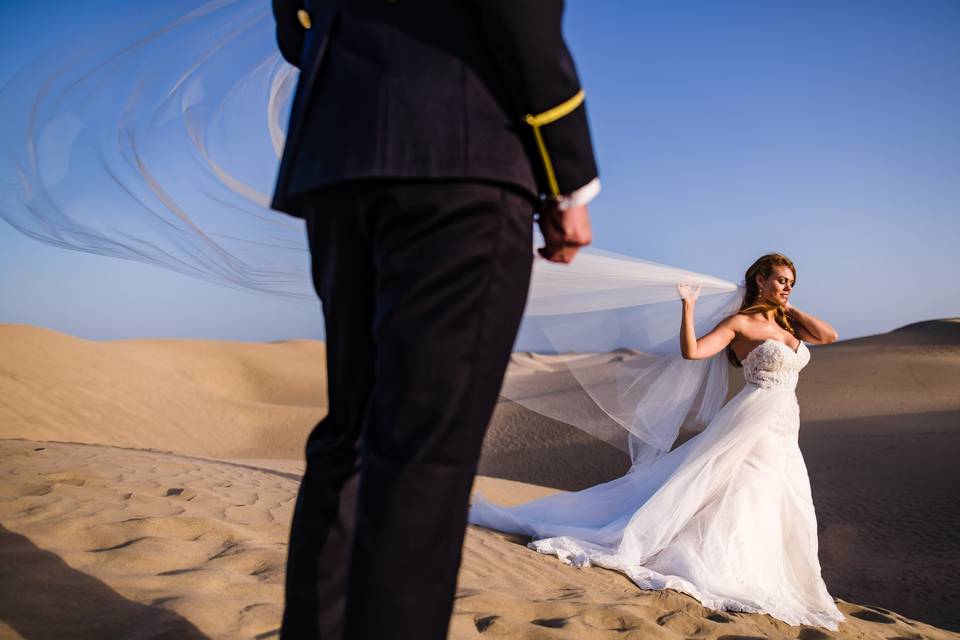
x,y
146,489
199,397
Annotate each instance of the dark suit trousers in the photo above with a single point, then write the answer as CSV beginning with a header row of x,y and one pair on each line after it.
x,y
423,284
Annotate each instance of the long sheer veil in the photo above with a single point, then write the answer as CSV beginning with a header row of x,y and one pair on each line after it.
x,y
600,350
159,142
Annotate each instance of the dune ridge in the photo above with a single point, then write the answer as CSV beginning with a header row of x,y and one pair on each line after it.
x,y
203,397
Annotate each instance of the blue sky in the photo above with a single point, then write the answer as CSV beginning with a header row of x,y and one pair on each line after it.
x,y
723,130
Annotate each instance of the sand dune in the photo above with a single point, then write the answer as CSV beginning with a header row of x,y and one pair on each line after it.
x,y
200,397
170,542
111,542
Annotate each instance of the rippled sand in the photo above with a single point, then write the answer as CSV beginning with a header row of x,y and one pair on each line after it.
x,y
146,489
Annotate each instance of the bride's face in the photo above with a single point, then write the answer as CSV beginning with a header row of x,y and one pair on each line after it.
x,y
778,286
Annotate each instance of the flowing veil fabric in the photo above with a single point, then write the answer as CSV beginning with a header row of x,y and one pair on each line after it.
x,y
610,322
158,140
156,137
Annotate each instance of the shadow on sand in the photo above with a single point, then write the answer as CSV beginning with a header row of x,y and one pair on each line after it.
x,y
43,597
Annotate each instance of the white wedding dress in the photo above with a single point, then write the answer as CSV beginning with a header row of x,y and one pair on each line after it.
x,y
726,517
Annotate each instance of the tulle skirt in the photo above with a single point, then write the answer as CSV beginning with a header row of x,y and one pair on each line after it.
x,y
726,517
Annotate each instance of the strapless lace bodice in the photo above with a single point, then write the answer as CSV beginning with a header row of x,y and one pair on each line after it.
x,y
774,364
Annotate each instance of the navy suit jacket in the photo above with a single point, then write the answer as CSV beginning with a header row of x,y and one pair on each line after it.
x,y
436,89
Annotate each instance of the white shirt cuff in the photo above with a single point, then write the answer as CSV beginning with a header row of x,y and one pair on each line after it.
x,y
581,196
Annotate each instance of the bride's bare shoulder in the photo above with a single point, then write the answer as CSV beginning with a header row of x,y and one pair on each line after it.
x,y
736,322
743,326
730,327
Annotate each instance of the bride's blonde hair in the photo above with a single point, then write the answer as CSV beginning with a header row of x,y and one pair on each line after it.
x,y
751,298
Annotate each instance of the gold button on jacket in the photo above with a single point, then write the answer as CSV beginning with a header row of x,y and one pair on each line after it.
x,y
304,18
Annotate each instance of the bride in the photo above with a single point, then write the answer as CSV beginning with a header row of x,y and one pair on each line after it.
x,y
726,517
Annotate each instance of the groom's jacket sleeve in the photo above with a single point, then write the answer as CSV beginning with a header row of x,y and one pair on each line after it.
x,y
525,37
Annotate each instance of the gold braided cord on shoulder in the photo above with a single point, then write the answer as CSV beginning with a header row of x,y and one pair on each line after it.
x,y
550,115
557,112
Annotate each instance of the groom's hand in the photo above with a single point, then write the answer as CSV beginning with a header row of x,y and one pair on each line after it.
x,y
564,232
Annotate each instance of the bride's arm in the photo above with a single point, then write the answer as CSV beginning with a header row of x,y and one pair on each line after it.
x,y
810,328
713,342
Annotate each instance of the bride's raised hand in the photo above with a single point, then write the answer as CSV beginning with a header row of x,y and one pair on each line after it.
x,y
687,292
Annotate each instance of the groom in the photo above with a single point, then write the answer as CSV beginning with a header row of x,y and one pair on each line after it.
x,y
424,136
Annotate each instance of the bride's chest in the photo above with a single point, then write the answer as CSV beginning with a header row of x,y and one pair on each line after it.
x,y
773,364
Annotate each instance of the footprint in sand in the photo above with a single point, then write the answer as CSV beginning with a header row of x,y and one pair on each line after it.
x,y
484,623
872,616
550,623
